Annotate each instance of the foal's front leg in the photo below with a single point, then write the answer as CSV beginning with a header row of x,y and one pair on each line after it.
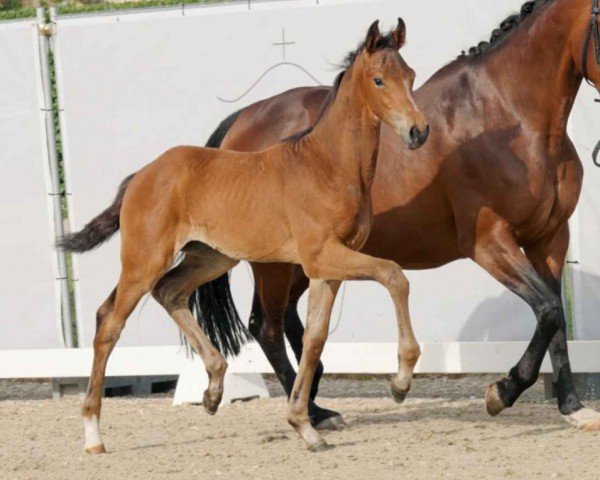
x,y
321,296
340,263
273,300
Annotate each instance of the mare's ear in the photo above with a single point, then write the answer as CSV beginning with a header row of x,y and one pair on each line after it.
x,y
399,34
373,37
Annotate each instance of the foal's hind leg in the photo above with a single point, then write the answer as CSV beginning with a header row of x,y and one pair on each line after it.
x,y
106,337
110,321
200,265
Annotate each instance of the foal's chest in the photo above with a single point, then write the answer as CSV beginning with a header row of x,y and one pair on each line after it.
x,y
356,217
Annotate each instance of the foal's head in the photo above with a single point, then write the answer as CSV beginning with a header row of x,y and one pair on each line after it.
x,y
386,82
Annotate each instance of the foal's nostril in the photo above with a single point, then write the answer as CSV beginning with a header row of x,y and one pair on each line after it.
x,y
417,137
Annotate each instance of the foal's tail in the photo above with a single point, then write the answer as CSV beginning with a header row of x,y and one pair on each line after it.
x,y
100,229
212,303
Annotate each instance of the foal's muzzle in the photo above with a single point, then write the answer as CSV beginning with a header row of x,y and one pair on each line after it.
x,y
417,137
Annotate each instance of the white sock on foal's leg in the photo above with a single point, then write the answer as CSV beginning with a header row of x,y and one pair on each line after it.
x,y
93,439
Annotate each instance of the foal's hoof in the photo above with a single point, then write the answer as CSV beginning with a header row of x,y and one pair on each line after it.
x,y
96,449
397,394
210,406
323,419
322,446
493,402
584,419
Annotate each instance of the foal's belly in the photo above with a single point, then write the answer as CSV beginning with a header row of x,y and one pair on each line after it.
x,y
248,241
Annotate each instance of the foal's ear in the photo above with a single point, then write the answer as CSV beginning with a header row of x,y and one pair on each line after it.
x,y
399,34
373,37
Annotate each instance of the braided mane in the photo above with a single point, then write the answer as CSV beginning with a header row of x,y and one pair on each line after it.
x,y
505,28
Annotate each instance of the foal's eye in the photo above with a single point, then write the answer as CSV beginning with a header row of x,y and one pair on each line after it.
x,y
378,81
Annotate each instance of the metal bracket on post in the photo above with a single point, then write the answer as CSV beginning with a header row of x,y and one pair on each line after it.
x,y
46,30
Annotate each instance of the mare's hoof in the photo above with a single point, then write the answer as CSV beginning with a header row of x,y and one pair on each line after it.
x,y
96,449
335,422
493,402
210,406
584,419
322,446
323,419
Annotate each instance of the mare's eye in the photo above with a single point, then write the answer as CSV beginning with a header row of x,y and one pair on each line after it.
x,y
378,81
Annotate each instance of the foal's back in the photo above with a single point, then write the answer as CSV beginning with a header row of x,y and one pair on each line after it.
x,y
222,198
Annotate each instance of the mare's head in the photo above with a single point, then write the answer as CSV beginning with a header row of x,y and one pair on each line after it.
x,y
585,40
386,83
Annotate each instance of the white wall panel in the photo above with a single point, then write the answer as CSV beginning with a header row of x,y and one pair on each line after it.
x,y
29,315
135,84
585,241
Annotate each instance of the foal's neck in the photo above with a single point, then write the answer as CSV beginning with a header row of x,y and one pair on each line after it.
x,y
345,141
535,67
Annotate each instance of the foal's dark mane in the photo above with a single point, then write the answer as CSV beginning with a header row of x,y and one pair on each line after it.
x,y
505,28
326,104
385,41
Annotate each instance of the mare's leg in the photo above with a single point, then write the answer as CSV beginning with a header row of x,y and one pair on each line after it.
x,y
338,262
498,252
272,287
200,265
135,281
548,257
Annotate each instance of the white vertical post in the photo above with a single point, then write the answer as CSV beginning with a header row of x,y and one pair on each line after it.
x,y
59,230
53,42
573,267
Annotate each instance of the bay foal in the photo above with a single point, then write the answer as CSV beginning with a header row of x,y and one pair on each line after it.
x,y
305,201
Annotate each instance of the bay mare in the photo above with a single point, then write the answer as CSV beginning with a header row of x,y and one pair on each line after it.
x,y
496,183
305,201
